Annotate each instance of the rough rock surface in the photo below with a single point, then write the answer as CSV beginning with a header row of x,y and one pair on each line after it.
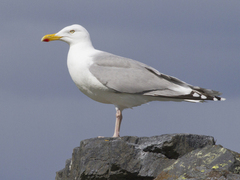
x,y
169,157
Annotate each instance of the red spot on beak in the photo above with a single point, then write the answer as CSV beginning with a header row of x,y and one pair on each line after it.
x,y
46,40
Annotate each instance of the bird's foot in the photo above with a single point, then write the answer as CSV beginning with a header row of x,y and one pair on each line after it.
x,y
100,137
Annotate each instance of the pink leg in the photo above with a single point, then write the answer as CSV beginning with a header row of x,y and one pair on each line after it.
x,y
118,123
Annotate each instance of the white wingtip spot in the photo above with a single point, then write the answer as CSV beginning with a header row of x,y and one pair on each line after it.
x,y
203,97
215,99
223,99
196,95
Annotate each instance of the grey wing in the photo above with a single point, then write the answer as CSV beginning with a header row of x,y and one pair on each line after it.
x,y
129,76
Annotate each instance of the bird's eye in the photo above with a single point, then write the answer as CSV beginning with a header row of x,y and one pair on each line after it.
x,y
72,31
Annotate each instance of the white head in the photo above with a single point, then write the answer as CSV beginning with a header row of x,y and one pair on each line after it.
x,y
71,34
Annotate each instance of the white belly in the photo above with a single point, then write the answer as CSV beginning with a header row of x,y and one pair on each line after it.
x,y
85,81
90,86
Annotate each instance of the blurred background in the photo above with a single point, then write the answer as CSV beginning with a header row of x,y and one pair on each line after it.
x,y
43,115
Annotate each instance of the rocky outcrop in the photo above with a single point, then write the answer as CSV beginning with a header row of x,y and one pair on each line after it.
x,y
168,157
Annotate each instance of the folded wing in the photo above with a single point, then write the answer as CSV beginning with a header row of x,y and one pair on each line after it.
x,y
125,75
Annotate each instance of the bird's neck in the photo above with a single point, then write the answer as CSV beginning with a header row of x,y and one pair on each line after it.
x,y
83,45
81,49
80,52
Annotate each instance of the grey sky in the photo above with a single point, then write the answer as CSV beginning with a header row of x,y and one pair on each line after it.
x,y
44,115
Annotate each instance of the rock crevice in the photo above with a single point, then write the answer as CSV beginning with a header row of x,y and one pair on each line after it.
x,y
170,156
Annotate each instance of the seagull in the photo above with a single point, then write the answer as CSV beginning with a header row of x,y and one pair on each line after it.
x,y
123,82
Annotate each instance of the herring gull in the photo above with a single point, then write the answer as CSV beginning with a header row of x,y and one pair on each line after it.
x,y
123,82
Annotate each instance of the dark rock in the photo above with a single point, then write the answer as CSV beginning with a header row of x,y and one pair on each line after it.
x,y
206,163
185,156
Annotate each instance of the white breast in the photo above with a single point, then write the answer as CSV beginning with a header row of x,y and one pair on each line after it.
x,y
78,65
79,62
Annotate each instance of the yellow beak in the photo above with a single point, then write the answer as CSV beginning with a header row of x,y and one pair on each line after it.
x,y
50,37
